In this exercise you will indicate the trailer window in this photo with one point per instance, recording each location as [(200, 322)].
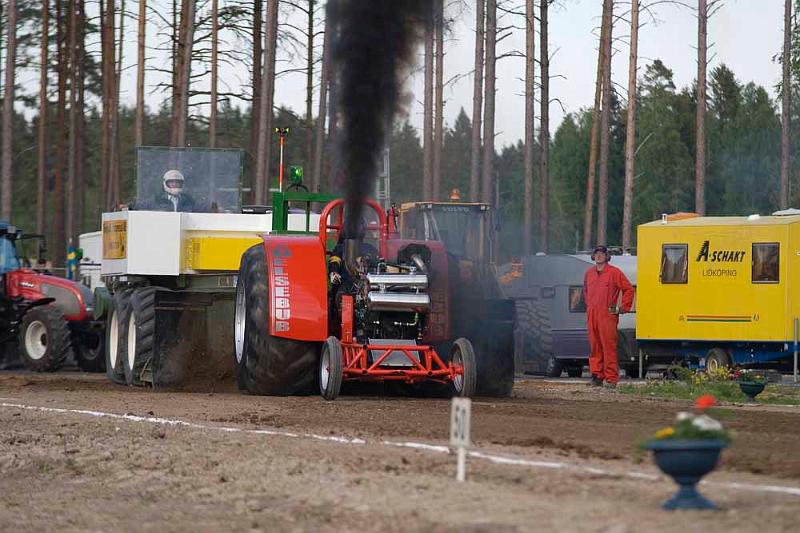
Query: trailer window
[(674, 263), (766, 262), (576, 302)]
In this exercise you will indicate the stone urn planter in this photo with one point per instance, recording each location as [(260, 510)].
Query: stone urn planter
[(686, 461), (751, 389)]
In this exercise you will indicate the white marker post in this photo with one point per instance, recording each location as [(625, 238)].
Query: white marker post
[(460, 413)]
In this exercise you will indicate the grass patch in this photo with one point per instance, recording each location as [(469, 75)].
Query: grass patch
[(722, 390)]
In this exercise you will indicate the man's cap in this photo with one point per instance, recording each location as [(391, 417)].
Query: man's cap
[(600, 248)]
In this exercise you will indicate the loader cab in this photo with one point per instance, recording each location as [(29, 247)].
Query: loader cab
[(466, 229)]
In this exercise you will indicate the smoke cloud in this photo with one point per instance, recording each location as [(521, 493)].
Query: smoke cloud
[(372, 47)]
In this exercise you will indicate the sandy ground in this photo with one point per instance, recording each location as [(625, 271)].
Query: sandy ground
[(556, 456)]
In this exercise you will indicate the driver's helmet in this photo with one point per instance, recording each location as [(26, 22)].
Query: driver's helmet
[(172, 181)]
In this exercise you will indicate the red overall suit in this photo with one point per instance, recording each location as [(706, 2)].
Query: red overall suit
[(600, 291)]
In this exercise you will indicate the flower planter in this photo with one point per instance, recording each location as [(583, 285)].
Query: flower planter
[(751, 389), (686, 462)]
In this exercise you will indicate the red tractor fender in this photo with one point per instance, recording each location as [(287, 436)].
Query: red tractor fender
[(298, 287), (65, 294)]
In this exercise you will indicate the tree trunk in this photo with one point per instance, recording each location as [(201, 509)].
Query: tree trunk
[(115, 145), (630, 131), (598, 89), (310, 82), (181, 104), (8, 112), (212, 120), (605, 116), (786, 103), (319, 141), (258, 23), (104, 97), (477, 102), (139, 127), (80, 149), (544, 132), (41, 158), (264, 152), (427, 120), (700, 151), (69, 226), (438, 121), (58, 182), (177, 25), (109, 107), (530, 123), (487, 178)]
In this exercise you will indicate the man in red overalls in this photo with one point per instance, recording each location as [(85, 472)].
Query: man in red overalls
[(602, 284)]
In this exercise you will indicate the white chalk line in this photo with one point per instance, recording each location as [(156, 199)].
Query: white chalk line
[(432, 448)]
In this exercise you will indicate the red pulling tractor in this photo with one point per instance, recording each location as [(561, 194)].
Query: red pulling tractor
[(390, 322), (44, 318)]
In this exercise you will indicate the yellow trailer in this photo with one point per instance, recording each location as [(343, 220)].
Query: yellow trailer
[(719, 290)]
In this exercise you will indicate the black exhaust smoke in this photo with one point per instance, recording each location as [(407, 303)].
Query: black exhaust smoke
[(373, 42)]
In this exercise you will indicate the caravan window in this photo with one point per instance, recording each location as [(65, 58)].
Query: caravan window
[(576, 302), (766, 262), (674, 263)]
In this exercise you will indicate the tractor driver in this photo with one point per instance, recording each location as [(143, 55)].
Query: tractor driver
[(337, 270), (171, 197)]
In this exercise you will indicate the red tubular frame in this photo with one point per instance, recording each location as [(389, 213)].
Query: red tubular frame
[(429, 367)]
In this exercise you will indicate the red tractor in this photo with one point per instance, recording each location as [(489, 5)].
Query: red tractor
[(44, 318), (389, 324)]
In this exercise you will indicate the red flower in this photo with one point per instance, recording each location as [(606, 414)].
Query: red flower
[(705, 401)]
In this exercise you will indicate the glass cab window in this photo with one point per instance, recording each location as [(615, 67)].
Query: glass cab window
[(766, 262), (674, 263), (8, 256), (577, 304)]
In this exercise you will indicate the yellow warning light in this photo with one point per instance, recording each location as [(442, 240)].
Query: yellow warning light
[(455, 195)]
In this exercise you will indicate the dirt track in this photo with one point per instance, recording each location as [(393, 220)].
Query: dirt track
[(67, 469)]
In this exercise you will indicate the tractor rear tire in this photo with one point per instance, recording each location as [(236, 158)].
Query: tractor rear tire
[(331, 371), (140, 345), (267, 365), (44, 339), (90, 351), (117, 335), (462, 353), (717, 358)]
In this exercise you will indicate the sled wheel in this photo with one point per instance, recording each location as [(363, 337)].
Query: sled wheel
[(717, 358), (554, 367), (117, 335), (44, 339), (574, 371), (141, 333), (266, 364), (330, 369), (90, 351), (462, 354)]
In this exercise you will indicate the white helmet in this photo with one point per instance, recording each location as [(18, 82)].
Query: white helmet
[(172, 181)]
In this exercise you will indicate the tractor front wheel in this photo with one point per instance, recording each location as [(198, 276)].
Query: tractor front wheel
[(44, 339), (462, 354), (265, 364), (330, 369)]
